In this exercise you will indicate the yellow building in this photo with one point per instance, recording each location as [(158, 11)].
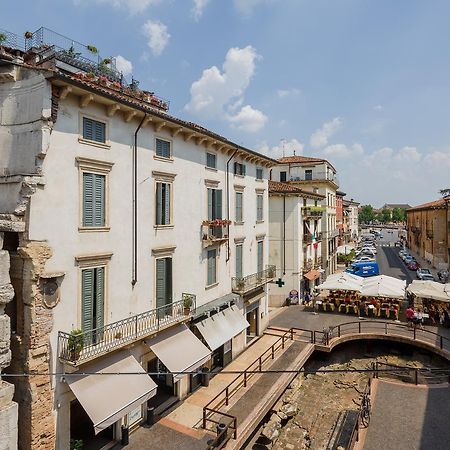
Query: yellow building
[(428, 231)]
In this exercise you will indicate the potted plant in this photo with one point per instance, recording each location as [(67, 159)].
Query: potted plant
[(92, 48), (76, 444), (2, 38), (75, 344), (187, 304), (28, 34)]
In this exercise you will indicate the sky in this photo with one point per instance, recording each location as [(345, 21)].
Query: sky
[(362, 83)]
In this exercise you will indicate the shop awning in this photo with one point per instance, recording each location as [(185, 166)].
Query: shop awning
[(221, 327), (312, 275), (429, 289), (179, 350), (107, 398)]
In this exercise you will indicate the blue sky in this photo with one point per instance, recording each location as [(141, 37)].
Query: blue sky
[(362, 83)]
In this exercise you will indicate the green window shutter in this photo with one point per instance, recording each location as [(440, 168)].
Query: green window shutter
[(239, 261), (159, 203), (88, 199), (99, 297), (211, 160), (88, 129), (166, 203), (211, 279), (93, 130), (168, 280), (210, 204), (218, 205), (99, 131), (259, 207), (163, 148), (160, 282), (87, 299), (99, 200), (238, 206), (260, 256), (243, 169)]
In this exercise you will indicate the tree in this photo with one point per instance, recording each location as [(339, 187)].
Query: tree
[(444, 192), (366, 215), (386, 214), (398, 215)]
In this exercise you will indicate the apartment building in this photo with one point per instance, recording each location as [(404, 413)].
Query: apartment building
[(351, 219), (138, 243), (319, 176), (428, 231), (295, 243), (340, 223)]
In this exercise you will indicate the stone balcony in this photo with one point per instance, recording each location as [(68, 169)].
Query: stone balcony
[(215, 231), (253, 281), (78, 348)]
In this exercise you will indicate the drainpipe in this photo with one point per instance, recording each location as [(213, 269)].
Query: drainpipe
[(135, 207), (228, 203)]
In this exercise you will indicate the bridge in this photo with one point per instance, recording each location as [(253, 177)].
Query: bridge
[(243, 403)]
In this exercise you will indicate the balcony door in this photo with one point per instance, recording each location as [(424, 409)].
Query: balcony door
[(164, 286), (260, 257), (215, 210)]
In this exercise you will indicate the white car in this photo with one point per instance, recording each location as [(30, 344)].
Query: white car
[(363, 259)]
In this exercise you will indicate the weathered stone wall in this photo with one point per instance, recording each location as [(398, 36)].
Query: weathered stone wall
[(8, 408)]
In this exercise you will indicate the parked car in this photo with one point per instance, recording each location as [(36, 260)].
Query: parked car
[(413, 265), (424, 274), (363, 259), (408, 259), (405, 255), (364, 269), (402, 252)]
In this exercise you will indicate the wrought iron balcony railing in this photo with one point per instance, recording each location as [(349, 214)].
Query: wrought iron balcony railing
[(253, 281), (77, 348), (313, 212), (215, 231), (308, 238), (315, 176)]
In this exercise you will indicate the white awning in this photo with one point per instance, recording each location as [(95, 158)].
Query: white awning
[(342, 281), (429, 289), (221, 327), (107, 398), (179, 350), (383, 286)]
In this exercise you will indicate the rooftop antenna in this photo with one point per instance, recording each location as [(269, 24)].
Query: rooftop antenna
[(283, 141)]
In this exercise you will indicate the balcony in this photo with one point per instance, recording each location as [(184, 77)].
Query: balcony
[(76, 349), (313, 212), (315, 176), (253, 281), (215, 231), (307, 265), (307, 238), (318, 262)]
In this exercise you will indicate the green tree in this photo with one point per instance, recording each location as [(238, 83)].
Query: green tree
[(366, 215), (444, 192), (386, 214), (398, 215)]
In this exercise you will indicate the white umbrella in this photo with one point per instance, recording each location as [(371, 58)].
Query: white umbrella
[(383, 286), (343, 282), (345, 249), (429, 289)]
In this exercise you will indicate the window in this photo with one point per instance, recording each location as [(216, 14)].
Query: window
[(214, 204), (93, 200), (260, 256), (259, 173), (315, 202), (211, 160), (239, 216), (283, 176), (308, 174), (93, 130), (163, 203), (92, 298), (259, 207), (164, 286), (212, 267), (304, 202), (239, 169), (239, 271), (163, 148)]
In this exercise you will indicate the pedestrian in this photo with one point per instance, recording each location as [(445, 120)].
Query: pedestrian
[(419, 318), (410, 316)]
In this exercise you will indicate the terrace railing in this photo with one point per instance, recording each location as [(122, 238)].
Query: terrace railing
[(253, 281), (79, 348)]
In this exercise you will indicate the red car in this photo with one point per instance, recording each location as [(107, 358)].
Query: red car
[(413, 265)]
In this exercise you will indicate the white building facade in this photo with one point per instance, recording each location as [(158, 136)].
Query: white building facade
[(143, 247), (351, 218), (318, 176), (295, 217)]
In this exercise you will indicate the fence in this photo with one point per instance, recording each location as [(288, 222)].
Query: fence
[(415, 375)]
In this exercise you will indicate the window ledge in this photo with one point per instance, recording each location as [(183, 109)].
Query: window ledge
[(94, 143), (210, 286), (260, 221), (212, 169), (162, 158), (239, 176), (93, 229), (260, 180), (163, 227), (239, 222)]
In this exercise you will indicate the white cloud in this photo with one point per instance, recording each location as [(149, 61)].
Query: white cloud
[(378, 108), (343, 151), (158, 36), (219, 93), (284, 148), (408, 154), (123, 65), (198, 8), (246, 7), (248, 119), (134, 6), (320, 137), (288, 92)]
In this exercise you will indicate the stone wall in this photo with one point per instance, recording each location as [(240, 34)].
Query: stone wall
[(8, 408)]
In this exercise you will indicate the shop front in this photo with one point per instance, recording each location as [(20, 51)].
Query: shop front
[(110, 397), (252, 317)]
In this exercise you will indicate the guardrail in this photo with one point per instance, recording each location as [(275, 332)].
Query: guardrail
[(250, 282), (415, 375), (81, 347)]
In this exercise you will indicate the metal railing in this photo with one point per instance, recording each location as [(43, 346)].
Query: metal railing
[(224, 396), (313, 211), (415, 375), (253, 281), (214, 231), (319, 176), (78, 348), (12, 40), (224, 435)]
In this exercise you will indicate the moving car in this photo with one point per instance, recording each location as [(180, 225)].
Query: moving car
[(413, 265), (364, 269), (424, 274), (363, 259)]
